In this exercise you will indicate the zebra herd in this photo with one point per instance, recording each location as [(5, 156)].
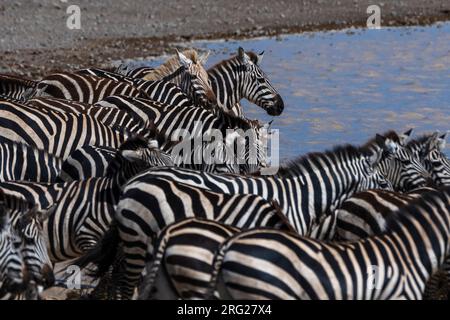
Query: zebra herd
[(91, 175)]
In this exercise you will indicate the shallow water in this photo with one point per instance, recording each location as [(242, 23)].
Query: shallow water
[(345, 86)]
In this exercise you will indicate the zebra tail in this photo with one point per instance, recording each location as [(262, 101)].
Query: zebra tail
[(154, 265), (103, 255), (217, 265)]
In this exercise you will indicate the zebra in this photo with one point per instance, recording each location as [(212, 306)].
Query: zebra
[(196, 123), (84, 209), (28, 221), (162, 91), (240, 210), (400, 165), (137, 73), (241, 77), (186, 249), (26, 224), (86, 162), (15, 88), (430, 149), (19, 161), (185, 82), (83, 88), (308, 189), (12, 277), (271, 264), (57, 133), (111, 116), (367, 213)]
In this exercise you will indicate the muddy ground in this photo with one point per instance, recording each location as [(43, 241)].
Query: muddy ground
[(34, 38)]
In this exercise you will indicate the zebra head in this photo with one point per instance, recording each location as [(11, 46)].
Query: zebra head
[(372, 177), (398, 164), (12, 275), (29, 227), (430, 149), (254, 84), (138, 153), (195, 81)]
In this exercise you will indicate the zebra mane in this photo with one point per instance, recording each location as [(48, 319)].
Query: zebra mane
[(339, 152), (391, 134), (173, 75), (171, 65), (420, 141), (253, 57)]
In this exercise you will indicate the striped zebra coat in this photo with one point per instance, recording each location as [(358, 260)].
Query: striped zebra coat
[(83, 88), (186, 250), (26, 226), (241, 77), (57, 133), (367, 213), (270, 264), (402, 167), (430, 149), (196, 123), (84, 209), (307, 190), (110, 116), (181, 87), (11, 262), (19, 161), (240, 210), (15, 88), (137, 73)]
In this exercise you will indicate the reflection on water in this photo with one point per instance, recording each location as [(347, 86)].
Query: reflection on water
[(343, 87)]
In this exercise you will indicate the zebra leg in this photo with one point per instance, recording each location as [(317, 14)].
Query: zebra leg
[(153, 266)]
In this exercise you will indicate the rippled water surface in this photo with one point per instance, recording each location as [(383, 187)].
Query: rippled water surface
[(345, 86)]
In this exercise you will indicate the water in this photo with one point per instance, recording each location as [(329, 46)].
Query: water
[(345, 86)]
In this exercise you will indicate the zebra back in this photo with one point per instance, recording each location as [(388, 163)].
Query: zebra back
[(84, 88), (16, 88)]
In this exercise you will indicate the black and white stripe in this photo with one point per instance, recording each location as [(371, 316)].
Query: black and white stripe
[(308, 189), (84, 88), (241, 77), (16, 88), (430, 149), (185, 250), (57, 133), (270, 264), (19, 161)]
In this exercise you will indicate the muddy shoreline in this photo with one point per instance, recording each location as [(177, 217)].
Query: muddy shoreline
[(113, 30)]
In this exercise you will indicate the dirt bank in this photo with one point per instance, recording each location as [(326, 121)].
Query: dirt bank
[(35, 39)]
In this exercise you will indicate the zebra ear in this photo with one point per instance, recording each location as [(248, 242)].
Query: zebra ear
[(404, 137), (386, 144), (202, 59), (259, 58), (184, 61), (441, 141), (243, 56), (132, 155)]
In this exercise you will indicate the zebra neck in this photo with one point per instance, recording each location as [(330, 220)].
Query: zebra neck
[(310, 194), (226, 84)]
